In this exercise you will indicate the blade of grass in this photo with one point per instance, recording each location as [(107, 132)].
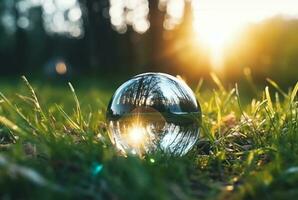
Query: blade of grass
[(269, 101), (78, 107), (199, 86), (17, 110), (68, 118), (12, 126), (275, 85), (227, 100), (219, 115), (294, 93), (34, 96), (248, 76), (254, 129), (217, 82)]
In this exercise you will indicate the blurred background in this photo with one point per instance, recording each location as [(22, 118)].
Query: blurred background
[(70, 39)]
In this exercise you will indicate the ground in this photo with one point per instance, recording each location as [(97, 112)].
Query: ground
[(54, 144)]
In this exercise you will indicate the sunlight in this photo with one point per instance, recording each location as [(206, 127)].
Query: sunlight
[(136, 135), (217, 22)]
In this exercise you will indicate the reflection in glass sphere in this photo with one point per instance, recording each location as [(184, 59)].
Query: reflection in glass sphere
[(154, 112)]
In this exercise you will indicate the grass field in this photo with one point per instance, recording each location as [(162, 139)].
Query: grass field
[(54, 144)]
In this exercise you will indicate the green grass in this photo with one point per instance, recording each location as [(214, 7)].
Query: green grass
[(54, 144)]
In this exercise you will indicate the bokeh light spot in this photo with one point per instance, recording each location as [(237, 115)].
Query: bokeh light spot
[(96, 168), (61, 68)]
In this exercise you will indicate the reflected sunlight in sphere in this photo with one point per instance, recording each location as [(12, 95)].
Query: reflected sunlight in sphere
[(136, 134), (154, 112)]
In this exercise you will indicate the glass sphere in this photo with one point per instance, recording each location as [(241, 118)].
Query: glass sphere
[(154, 112)]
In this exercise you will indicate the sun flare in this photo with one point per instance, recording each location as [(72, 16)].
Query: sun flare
[(136, 135), (217, 22)]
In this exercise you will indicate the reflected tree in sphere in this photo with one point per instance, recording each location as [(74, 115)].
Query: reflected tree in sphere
[(154, 112)]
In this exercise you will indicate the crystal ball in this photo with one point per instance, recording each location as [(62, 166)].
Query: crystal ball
[(154, 112)]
